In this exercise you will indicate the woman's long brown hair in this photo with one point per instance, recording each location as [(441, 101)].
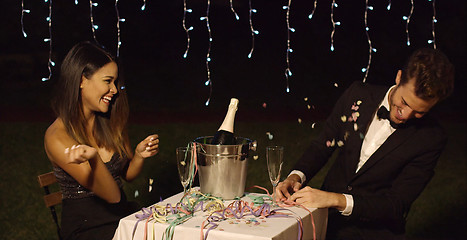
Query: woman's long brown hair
[(110, 129)]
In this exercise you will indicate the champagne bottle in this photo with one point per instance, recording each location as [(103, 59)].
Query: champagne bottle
[(225, 134)]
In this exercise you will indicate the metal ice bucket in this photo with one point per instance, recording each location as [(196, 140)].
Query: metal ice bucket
[(223, 168)]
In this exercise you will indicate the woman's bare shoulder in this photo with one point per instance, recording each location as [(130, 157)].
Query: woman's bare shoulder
[(56, 139), (56, 130)]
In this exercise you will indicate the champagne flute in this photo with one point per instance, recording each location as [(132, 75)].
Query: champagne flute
[(275, 158), (184, 164)]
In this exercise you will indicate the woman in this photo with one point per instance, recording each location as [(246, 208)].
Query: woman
[(88, 144)]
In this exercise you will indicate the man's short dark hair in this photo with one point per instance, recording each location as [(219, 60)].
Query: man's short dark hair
[(432, 72)]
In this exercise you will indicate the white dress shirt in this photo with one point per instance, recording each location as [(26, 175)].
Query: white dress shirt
[(378, 132)]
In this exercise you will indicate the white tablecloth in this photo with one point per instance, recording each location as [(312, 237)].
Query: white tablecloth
[(248, 227)]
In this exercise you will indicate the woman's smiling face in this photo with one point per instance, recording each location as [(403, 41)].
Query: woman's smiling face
[(98, 90)]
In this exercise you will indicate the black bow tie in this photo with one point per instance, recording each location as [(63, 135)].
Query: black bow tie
[(383, 113)]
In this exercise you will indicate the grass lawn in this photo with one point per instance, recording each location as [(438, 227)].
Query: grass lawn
[(439, 213)]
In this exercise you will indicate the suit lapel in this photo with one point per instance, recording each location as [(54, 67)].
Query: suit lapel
[(367, 110), (396, 139)]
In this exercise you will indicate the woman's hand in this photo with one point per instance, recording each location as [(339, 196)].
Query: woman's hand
[(148, 147), (80, 153)]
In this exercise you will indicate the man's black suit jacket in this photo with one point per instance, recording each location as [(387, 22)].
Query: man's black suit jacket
[(392, 178)]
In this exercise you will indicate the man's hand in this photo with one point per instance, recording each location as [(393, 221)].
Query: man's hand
[(290, 185), (311, 197)]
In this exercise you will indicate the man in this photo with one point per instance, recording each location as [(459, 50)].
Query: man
[(383, 164)]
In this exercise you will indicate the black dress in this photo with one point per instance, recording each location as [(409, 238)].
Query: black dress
[(87, 216)]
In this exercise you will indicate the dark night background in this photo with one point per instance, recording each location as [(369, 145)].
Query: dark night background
[(160, 81), (163, 87)]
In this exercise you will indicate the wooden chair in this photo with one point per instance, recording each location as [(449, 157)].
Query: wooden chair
[(51, 199)]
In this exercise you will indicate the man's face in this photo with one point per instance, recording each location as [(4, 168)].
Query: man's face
[(405, 104)]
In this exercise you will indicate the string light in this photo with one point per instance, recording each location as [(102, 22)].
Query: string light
[(233, 10), (50, 63), (370, 47), (187, 30), (288, 73), (433, 21), (208, 54), (253, 31), (23, 11), (119, 42), (144, 5), (334, 23), (93, 26), (407, 19), (313, 11)]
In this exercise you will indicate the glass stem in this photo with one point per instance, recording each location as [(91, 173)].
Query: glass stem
[(274, 195)]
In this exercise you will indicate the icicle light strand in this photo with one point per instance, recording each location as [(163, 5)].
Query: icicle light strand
[(93, 26), (314, 9), (407, 19), (334, 23), (370, 47), (433, 21), (233, 10), (50, 63), (119, 42), (253, 31), (187, 30), (23, 11), (288, 73), (208, 54)]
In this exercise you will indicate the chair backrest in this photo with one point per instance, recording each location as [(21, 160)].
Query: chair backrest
[(51, 199)]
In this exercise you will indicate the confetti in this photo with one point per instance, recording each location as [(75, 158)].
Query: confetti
[(340, 143), (346, 135), (308, 106), (355, 115), (150, 184), (330, 143), (264, 105), (344, 118), (313, 125), (306, 99), (335, 85), (355, 127), (270, 136), (362, 136), (359, 102), (136, 193), (299, 120), (182, 163), (255, 157)]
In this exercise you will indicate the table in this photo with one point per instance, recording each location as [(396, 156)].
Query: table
[(248, 227)]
